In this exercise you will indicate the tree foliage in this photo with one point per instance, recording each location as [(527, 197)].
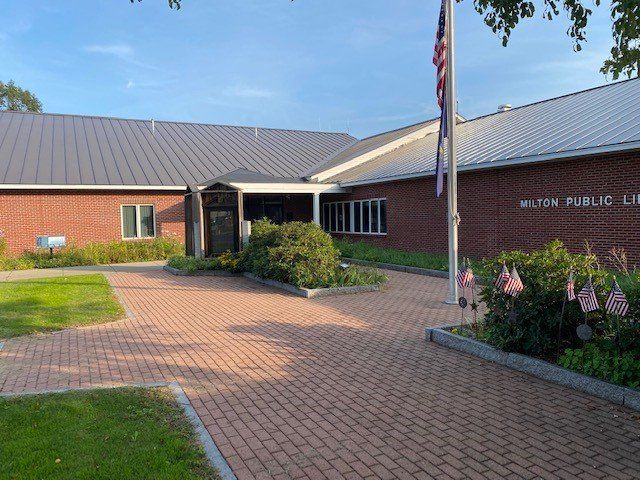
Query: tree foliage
[(15, 98), (502, 16)]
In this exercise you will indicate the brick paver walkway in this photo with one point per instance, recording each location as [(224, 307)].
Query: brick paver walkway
[(342, 387)]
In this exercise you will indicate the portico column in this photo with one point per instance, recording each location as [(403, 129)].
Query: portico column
[(316, 208)]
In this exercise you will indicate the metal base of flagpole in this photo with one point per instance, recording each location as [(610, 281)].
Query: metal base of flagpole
[(450, 301)]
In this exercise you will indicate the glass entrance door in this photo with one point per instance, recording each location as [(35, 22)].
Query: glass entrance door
[(222, 230)]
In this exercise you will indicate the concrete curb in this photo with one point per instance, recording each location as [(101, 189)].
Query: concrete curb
[(314, 292), (426, 272), (199, 273), (210, 448), (538, 368)]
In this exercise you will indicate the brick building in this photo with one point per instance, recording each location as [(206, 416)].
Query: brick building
[(565, 168)]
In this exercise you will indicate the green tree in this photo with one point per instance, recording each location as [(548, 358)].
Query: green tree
[(13, 97), (502, 16)]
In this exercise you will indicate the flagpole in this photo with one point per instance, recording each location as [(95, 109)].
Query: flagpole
[(452, 170)]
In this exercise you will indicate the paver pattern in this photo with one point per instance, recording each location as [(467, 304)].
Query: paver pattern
[(341, 387)]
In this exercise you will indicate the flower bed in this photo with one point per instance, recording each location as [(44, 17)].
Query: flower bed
[(159, 248), (541, 324), (297, 255)]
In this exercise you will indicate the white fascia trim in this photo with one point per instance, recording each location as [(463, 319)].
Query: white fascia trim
[(386, 148), (12, 186), (506, 163), (283, 188)]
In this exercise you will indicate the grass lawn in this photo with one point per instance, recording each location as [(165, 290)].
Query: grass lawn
[(127, 433), (30, 306)]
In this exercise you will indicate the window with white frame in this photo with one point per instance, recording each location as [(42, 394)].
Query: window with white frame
[(367, 217), (138, 221)]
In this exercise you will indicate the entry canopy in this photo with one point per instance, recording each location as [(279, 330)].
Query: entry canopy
[(249, 181)]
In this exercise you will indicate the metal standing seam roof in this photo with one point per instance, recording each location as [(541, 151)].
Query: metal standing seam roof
[(605, 117), (366, 145), (54, 149)]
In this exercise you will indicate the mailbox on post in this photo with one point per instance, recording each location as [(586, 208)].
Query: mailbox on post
[(51, 242)]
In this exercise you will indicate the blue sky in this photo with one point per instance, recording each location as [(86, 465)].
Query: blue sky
[(361, 66)]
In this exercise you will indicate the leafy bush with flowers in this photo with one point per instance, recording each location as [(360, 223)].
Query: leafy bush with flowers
[(531, 323)]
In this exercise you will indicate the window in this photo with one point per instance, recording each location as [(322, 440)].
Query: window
[(325, 217), (361, 216), (365, 216), (357, 215), (138, 221)]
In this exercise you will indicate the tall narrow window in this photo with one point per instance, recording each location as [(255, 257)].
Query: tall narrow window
[(138, 221), (325, 217), (340, 217), (365, 217), (374, 216), (147, 224), (334, 223), (357, 212), (383, 216), (347, 216), (129, 221)]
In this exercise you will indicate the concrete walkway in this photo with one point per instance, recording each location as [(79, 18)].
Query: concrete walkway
[(86, 270), (341, 387)]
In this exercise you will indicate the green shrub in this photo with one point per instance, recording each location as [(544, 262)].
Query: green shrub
[(3, 245), (622, 368), (191, 264), (534, 331), (97, 254), (298, 253), (357, 276)]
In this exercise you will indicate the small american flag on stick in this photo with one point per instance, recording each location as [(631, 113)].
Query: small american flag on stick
[(617, 303), (440, 61), (571, 288), (503, 277), (587, 298), (465, 277), (513, 285)]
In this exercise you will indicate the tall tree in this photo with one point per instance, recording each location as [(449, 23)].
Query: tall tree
[(502, 16), (13, 97)]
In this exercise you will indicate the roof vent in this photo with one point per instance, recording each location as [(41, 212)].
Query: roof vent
[(504, 107)]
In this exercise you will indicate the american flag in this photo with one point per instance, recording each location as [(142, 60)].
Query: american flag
[(503, 277), (465, 278), (514, 285), (571, 288), (617, 302), (587, 298), (440, 61)]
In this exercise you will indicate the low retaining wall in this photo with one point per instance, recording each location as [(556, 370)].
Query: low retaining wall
[(314, 292), (538, 368), (427, 272), (301, 292)]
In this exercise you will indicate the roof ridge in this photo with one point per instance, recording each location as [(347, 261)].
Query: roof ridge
[(519, 107), (182, 122)]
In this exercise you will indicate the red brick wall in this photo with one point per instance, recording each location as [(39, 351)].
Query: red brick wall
[(492, 220), (81, 216)]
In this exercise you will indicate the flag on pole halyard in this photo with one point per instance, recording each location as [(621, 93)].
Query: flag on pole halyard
[(587, 298), (503, 277), (465, 277), (571, 288), (513, 285), (440, 61), (617, 303)]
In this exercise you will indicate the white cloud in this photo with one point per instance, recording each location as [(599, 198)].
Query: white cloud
[(244, 91), (120, 50)]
